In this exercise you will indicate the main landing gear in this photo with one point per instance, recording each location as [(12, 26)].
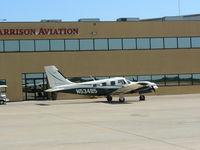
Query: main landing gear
[(142, 98), (109, 98), (121, 99)]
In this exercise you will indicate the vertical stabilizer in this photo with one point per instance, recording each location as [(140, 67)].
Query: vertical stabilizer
[(55, 78)]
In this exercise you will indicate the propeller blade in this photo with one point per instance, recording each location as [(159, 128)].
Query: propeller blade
[(153, 88)]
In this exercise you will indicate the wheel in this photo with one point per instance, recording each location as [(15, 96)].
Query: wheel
[(1, 102), (142, 98), (109, 98), (121, 99)]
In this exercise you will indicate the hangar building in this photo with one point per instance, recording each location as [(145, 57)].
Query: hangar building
[(162, 50)]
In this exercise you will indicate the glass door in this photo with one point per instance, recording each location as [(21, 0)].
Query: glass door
[(34, 87)]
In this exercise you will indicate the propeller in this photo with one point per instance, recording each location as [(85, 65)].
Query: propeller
[(153, 88)]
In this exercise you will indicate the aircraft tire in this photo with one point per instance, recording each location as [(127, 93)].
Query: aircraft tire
[(1, 102), (109, 98), (121, 99), (142, 98)]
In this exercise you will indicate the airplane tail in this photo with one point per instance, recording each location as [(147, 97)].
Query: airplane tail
[(55, 78)]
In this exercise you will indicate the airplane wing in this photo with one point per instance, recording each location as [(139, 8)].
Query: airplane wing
[(128, 89), (140, 87)]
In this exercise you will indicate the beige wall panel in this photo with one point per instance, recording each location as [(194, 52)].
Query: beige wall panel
[(104, 63)]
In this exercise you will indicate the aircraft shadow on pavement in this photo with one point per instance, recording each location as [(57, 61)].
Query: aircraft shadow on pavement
[(116, 102), (91, 102), (43, 104)]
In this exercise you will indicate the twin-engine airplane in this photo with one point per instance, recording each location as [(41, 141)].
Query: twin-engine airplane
[(104, 87)]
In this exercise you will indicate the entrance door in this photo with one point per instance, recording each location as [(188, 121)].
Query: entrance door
[(34, 88)]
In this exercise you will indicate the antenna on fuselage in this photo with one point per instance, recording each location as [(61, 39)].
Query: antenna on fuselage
[(92, 78)]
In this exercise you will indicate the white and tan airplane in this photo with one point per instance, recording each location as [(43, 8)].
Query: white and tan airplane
[(104, 87)]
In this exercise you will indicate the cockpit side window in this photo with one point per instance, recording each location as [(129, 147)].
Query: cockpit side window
[(122, 82), (129, 82)]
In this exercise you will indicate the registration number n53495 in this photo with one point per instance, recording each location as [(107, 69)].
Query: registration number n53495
[(86, 91)]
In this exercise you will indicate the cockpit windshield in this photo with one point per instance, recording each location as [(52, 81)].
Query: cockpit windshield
[(128, 81), (122, 82)]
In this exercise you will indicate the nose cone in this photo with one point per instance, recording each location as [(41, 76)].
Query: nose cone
[(155, 87)]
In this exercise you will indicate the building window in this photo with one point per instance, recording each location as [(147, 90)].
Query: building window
[(129, 44), (170, 42), (135, 78), (196, 79), (71, 45), (143, 43), (2, 82), (185, 79), (101, 44), (86, 44), (100, 78), (115, 44), (12, 46), (129, 78), (27, 45), (57, 45), (86, 79), (34, 75), (184, 43), (172, 80), (158, 79), (195, 42), (144, 78), (42, 45), (1, 46), (157, 43)]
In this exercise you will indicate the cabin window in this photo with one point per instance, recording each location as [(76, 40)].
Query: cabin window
[(104, 84), (112, 83)]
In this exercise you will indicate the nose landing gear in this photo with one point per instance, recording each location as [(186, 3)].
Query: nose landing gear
[(121, 99)]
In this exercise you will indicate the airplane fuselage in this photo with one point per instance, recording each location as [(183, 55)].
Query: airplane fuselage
[(104, 87)]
